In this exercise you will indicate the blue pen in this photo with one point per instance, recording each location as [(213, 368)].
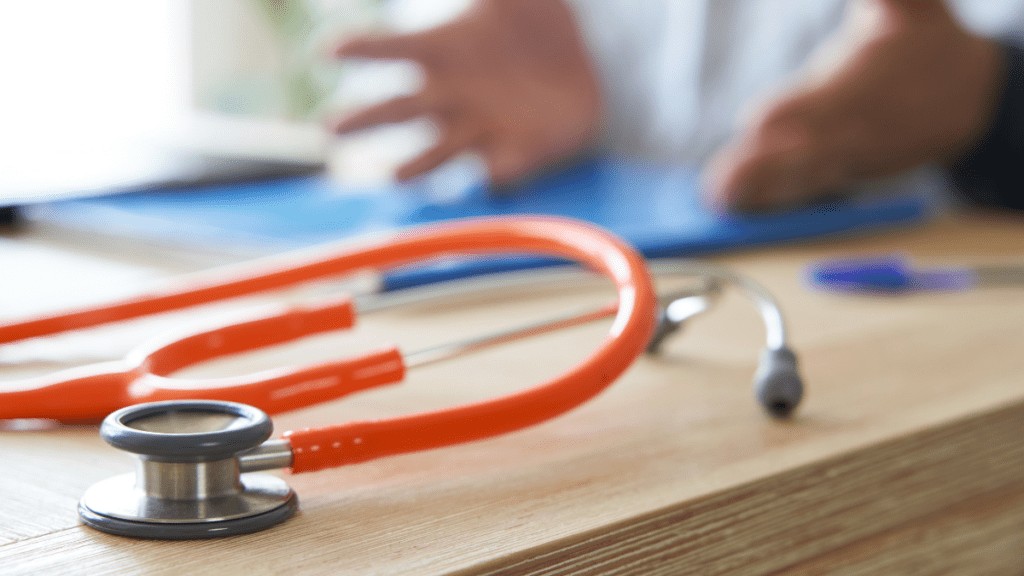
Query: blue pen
[(894, 274)]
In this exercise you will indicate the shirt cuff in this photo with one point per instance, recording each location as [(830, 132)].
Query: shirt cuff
[(992, 172)]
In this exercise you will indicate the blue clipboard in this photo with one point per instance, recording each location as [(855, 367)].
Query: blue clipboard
[(657, 209)]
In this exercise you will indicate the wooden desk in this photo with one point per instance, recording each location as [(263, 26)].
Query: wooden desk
[(908, 455)]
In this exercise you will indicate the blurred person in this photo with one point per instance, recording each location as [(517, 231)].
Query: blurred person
[(527, 84)]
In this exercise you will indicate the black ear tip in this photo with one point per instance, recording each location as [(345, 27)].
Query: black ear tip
[(780, 393), (778, 385), (780, 408)]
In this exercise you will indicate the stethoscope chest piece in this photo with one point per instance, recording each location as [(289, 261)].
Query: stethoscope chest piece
[(188, 482)]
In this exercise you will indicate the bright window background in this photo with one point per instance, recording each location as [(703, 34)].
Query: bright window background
[(70, 68), (79, 79), (90, 89)]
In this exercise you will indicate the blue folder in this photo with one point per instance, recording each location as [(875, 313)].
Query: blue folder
[(657, 209)]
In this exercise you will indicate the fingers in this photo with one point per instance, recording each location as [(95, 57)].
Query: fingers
[(452, 142), (761, 173), (419, 46), (391, 111), (507, 164), (785, 156)]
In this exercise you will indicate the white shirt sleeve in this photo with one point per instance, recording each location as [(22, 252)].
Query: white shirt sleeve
[(676, 74)]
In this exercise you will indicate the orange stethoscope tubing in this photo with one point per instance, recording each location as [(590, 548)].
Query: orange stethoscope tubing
[(81, 394)]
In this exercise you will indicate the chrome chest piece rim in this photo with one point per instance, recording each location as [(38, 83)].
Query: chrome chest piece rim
[(188, 482)]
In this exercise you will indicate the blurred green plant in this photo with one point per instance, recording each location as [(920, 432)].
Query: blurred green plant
[(304, 29)]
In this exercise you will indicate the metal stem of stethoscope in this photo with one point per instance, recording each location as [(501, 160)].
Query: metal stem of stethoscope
[(683, 305), (777, 384), (713, 277)]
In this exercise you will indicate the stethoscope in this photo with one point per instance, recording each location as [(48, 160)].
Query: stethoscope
[(197, 457)]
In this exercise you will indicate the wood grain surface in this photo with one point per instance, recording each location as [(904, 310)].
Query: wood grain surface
[(906, 458)]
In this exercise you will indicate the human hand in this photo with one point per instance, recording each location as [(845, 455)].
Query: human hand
[(905, 85), (508, 79)]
